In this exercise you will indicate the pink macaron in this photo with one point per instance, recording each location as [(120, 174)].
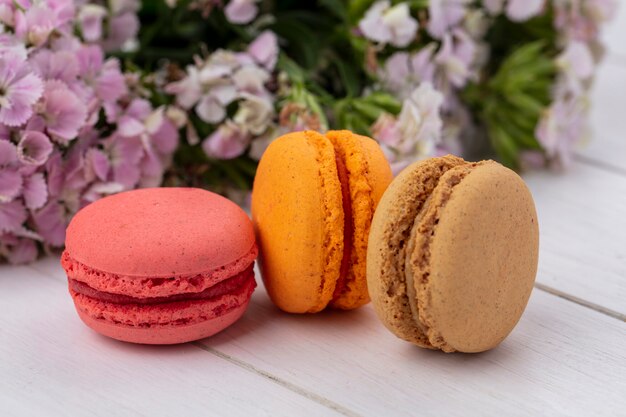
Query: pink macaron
[(160, 265)]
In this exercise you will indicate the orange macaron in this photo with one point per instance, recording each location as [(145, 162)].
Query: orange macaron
[(313, 201)]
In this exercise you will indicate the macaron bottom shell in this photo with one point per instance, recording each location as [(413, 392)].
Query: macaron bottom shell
[(164, 323), (164, 334)]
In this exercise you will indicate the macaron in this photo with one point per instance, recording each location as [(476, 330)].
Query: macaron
[(160, 265), (452, 254), (313, 200)]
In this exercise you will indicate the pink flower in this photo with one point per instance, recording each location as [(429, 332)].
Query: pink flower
[(241, 11), (562, 126), (208, 87), (104, 77), (522, 10), (59, 65), (8, 152), (123, 30), (35, 24), (125, 153), (19, 251), (420, 121), (97, 164), (251, 79), (34, 148), (385, 130), (454, 58), (35, 191), (577, 64), (227, 142), (10, 184), (444, 15), (90, 19), (54, 174), (385, 24), (12, 215), (50, 223), (62, 112), (264, 49), (402, 72), (19, 90)]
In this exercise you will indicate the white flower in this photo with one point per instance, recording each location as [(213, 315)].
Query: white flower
[(444, 15), (577, 64), (522, 10), (419, 122), (254, 114), (385, 24)]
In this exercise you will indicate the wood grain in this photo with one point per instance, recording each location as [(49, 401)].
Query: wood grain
[(561, 359), (582, 251), (52, 365)]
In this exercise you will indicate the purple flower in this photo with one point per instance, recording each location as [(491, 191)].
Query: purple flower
[(241, 11), (19, 251), (90, 20), (125, 153), (12, 215), (385, 130), (454, 58), (264, 49), (97, 164), (54, 174), (19, 90), (104, 77), (50, 223), (123, 30), (420, 121), (209, 87), (227, 142), (34, 148), (62, 112), (8, 152), (522, 10), (385, 24), (576, 64), (444, 15), (562, 126), (10, 184), (35, 24), (55, 65), (402, 72), (35, 191)]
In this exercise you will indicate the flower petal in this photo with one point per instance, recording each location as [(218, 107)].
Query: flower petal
[(12, 215), (35, 191), (34, 148), (10, 184)]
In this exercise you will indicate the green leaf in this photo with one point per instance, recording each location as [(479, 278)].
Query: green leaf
[(349, 77), (336, 7)]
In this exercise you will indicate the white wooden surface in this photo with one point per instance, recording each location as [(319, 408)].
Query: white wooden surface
[(566, 357)]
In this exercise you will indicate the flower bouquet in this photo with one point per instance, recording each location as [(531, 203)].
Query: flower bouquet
[(103, 96)]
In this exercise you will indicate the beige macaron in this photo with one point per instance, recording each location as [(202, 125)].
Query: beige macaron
[(452, 254)]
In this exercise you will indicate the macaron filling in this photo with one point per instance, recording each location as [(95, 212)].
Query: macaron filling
[(226, 286), (348, 228)]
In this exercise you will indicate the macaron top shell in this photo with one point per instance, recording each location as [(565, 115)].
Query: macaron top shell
[(160, 232), (482, 259), (297, 210)]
